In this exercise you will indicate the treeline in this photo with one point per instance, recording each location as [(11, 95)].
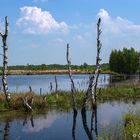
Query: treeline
[(84, 66), (124, 61)]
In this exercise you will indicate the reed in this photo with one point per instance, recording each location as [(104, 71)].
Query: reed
[(63, 99)]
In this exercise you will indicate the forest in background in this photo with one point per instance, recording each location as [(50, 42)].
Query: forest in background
[(84, 66)]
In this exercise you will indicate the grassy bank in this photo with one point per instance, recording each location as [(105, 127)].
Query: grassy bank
[(43, 72), (62, 99)]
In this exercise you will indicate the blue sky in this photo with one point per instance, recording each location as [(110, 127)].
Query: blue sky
[(40, 29)]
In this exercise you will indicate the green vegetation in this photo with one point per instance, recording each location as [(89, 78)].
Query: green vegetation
[(54, 69), (84, 66), (128, 129), (115, 93), (125, 61), (132, 126), (62, 99)]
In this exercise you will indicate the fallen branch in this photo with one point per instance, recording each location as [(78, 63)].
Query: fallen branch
[(28, 102)]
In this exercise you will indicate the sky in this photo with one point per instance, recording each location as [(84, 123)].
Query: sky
[(39, 30)]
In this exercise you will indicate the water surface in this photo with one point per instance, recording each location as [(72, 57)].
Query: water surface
[(57, 125), (21, 83)]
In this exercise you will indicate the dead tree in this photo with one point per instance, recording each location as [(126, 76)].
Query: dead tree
[(56, 84), (88, 92), (98, 59), (73, 89), (51, 87), (5, 61), (93, 81), (30, 89)]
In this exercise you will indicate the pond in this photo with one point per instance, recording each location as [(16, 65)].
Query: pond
[(21, 83), (58, 124)]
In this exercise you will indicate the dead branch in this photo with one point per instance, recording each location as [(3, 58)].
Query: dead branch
[(28, 103)]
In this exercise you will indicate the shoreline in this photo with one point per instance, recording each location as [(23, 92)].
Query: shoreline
[(43, 72)]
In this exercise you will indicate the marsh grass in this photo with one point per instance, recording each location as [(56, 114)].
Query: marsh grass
[(132, 126), (127, 129), (62, 99), (119, 93)]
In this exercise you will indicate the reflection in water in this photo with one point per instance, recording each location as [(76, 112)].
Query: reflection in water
[(6, 131), (61, 125), (40, 123), (89, 130), (96, 123), (74, 123), (26, 120), (85, 126)]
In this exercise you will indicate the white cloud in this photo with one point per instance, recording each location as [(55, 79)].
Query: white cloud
[(118, 24), (56, 42), (35, 21), (41, 123), (80, 39), (117, 32), (40, 0)]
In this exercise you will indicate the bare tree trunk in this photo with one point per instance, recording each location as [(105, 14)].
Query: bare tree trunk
[(5, 61), (98, 59), (92, 88), (56, 84), (51, 87), (88, 92), (73, 89), (30, 89)]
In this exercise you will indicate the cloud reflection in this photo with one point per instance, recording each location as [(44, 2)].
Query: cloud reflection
[(41, 122)]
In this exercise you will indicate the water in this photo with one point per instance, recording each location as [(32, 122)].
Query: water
[(21, 83), (57, 125)]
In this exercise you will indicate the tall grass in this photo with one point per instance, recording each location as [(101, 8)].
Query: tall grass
[(62, 99)]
